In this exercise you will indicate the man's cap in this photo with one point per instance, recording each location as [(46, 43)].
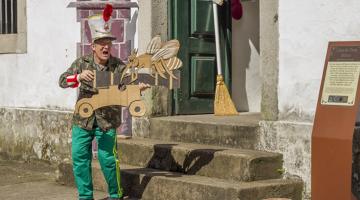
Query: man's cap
[(100, 25)]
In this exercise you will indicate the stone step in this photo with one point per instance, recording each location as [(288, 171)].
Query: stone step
[(151, 184), (240, 131), (204, 160)]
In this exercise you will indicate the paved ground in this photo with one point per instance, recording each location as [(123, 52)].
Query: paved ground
[(33, 181)]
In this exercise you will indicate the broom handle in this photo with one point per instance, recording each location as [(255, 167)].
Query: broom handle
[(217, 41)]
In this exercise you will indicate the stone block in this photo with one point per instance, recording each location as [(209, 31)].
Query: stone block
[(240, 131), (114, 14), (118, 30), (157, 101), (38, 134), (115, 49), (141, 127), (123, 13), (96, 12), (204, 160), (125, 49), (150, 184), (85, 49), (82, 14), (85, 32)]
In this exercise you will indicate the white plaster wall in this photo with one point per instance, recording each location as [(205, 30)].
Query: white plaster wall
[(144, 24), (246, 80), (31, 79), (305, 29), (132, 27), (293, 141)]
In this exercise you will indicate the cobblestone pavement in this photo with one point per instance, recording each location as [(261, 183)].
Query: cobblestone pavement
[(33, 181)]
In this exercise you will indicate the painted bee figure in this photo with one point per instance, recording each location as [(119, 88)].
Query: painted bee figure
[(159, 57)]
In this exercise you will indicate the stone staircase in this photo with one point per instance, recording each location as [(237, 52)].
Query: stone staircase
[(198, 158)]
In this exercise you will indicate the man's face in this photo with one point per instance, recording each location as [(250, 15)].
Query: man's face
[(102, 48)]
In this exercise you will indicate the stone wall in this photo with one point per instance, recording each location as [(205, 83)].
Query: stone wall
[(35, 134), (293, 140), (45, 134), (28, 133)]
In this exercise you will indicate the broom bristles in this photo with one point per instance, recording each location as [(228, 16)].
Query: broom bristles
[(223, 104)]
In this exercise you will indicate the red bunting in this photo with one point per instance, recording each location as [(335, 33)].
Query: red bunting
[(107, 12), (236, 9)]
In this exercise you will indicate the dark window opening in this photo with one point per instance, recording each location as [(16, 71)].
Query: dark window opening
[(8, 16)]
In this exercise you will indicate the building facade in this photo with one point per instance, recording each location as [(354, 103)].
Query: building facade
[(275, 62)]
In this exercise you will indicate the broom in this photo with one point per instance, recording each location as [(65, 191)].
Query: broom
[(223, 105)]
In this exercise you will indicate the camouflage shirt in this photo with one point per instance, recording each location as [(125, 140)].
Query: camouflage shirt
[(106, 117)]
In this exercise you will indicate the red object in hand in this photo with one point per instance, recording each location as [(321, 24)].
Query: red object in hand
[(72, 81), (236, 9), (107, 12)]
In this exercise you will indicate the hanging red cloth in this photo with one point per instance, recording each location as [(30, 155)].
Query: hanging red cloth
[(236, 9)]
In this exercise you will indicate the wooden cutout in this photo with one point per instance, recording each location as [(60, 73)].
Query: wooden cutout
[(128, 95), (159, 57), (150, 80), (103, 79)]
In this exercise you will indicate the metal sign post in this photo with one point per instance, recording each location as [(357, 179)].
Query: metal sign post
[(334, 123)]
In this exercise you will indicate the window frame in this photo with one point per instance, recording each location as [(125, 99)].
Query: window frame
[(16, 43)]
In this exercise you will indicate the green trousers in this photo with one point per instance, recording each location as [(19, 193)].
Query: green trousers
[(107, 155)]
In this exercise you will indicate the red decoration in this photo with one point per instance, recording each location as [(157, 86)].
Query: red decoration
[(107, 12), (72, 80), (236, 9)]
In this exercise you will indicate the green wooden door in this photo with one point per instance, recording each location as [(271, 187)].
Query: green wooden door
[(192, 23)]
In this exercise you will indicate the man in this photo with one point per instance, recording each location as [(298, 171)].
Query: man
[(103, 122)]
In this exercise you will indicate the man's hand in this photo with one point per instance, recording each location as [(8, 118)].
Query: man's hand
[(86, 75), (143, 86)]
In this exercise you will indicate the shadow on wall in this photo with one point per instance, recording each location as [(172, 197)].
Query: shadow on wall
[(131, 29), (245, 59), (163, 159)]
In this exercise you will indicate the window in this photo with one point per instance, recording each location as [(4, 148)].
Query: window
[(12, 26), (8, 16)]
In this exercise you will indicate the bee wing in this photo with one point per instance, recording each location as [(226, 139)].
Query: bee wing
[(168, 50), (154, 45), (173, 63)]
